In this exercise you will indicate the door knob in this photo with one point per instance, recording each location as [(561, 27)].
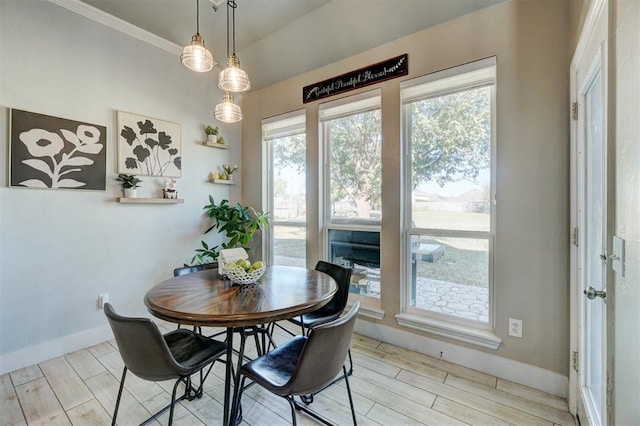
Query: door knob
[(592, 293)]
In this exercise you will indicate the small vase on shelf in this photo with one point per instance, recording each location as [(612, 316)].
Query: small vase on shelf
[(130, 192)]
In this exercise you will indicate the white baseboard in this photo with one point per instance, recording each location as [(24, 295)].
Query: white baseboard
[(515, 371), (53, 348)]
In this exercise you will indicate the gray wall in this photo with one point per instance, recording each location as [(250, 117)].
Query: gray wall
[(59, 249), (530, 41)]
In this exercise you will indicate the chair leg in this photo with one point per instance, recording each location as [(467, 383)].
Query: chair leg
[(200, 391), (236, 408), (318, 416), (350, 372), (256, 339), (346, 381), (115, 411), (292, 404), (173, 401)]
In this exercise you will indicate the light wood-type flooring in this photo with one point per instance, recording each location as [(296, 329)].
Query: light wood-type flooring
[(391, 386)]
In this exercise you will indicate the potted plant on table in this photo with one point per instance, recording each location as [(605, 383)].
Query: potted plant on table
[(129, 184)]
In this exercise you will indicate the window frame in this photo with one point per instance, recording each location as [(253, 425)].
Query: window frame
[(482, 73), (368, 101), (279, 126)]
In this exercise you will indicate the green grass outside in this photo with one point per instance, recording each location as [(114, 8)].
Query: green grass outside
[(460, 266)]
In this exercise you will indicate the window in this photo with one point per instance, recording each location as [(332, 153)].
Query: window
[(449, 138), (352, 139), (284, 142)]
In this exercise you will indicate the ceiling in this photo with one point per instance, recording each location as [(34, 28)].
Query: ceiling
[(306, 33)]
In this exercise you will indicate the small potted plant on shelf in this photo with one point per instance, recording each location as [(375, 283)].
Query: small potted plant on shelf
[(212, 134), (129, 184), (228, 171)]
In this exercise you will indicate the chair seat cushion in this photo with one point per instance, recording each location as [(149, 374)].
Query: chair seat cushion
[(274, 369), (192, 350), (314, 319)]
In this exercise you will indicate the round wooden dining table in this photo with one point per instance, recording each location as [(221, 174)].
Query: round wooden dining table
[(205, 298)]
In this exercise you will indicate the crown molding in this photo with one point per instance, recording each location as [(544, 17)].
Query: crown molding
[(118, 24)]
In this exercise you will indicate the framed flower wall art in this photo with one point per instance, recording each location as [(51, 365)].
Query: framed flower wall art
[(56, 153), (148, 146)]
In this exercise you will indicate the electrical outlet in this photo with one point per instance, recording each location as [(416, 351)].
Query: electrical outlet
[(102, 299), (515, 328)]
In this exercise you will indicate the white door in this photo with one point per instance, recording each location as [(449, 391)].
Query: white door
[(590, 183)]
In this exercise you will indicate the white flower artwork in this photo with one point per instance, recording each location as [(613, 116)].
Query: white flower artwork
[(56, 153)]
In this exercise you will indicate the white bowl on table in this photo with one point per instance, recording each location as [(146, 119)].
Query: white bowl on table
[(238, 275)]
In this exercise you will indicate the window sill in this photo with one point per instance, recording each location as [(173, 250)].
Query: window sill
[(370, 313), (464, 333), (369, 307)]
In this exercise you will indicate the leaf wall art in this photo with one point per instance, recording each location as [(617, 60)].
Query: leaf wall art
[(56, 153), (148, 146)]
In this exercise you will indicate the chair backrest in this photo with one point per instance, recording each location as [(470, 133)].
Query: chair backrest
[(323, 355), (342, 276), (189, 269), (142, 347)]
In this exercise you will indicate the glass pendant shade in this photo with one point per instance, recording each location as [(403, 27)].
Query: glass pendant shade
[(227, 111), (233, 78), (196, 57)]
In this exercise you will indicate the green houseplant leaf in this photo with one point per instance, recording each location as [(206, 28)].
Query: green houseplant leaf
[(237, 223)]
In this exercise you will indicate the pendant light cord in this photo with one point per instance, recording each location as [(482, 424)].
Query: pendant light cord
[(228, 5), (197, 16), (234, 6), (231, 4)]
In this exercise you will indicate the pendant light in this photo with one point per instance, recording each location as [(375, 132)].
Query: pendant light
[(227, 111), (233, 78), (195, 56)]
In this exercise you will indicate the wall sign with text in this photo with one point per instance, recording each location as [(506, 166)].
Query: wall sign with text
[(385, 70)]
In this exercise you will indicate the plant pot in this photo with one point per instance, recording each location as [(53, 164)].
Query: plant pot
[(212, 138), (171, 194), (130, 192)]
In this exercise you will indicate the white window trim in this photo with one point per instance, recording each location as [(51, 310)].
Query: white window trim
[(465, 77), (453, 330), (360, 102), (283, 125)]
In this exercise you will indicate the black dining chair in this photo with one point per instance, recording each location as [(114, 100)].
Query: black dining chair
[(152, 356), (184, 270), (336, 305), (303, 365), (330, 311)]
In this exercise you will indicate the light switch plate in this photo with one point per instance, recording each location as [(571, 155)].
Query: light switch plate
[(617, 258)]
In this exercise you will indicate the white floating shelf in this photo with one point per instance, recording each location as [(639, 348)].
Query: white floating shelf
[(223, 181), (140, 200), (216, 145)]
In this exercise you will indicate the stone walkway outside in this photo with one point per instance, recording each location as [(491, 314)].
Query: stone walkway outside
[(454, 299), (459, 300)]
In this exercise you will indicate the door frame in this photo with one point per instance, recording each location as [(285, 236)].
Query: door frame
[(598, 10)]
